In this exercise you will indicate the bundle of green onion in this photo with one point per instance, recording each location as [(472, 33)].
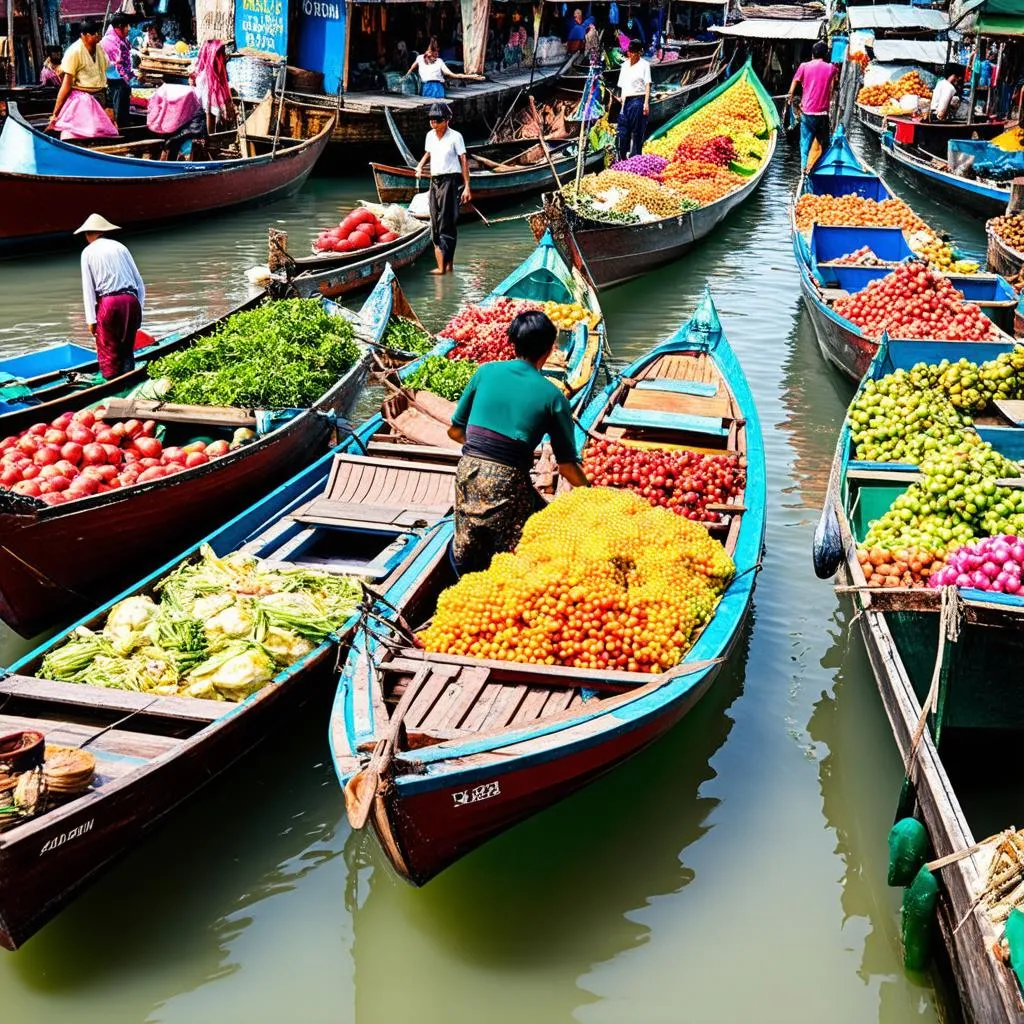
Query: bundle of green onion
[(222, 629)]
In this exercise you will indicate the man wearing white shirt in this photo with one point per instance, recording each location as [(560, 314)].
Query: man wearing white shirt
[(446, 151), (945, 95), (113, 293), (635, 93)]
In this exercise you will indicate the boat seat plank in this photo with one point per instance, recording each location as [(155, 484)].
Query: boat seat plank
[(532, 706), (390, 447), (619, 434), (704, 389), (471, 682), (505, 707), (831, 294), (117, 742), (324, 512), (482, 708), (430, 691), (1012, 409), (686, 405), (652, 420), (164, 412), (101, 698), (558, 701)]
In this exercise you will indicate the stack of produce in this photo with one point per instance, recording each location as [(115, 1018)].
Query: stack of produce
[(222, 629), (481, 332), (704, 183), (862, 257), (78, 455), (445, 377), (910, 568), (566, 315), (281, 355), (1010, 230), (684, 482), (993, 563), (938, 254), (910, 84), (600, 580), (855, 211), (923, 416), (359, 230), (860, 57), (914, 302), (644, 164), (632, 196), (720, 150), (404, 335), (736, 111)]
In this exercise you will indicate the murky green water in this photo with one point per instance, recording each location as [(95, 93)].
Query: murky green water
[(734, 872)]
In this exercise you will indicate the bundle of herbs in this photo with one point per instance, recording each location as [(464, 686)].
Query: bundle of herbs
[(445, 377), (221, 629), (281, 355), (406, 336)]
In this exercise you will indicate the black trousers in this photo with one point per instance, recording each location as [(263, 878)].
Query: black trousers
[(120, 99), (631, 128), (445, 190)]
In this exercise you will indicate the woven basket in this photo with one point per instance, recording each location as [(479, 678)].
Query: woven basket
[(252, 77), (68, 771)]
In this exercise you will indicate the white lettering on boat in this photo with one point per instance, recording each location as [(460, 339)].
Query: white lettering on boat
[(476, 794), (66, 837), (313, 9)]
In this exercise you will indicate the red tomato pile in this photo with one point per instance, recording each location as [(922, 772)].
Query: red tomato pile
[(480, 333), (78, 455), (685, 482), (359, 230), (913, 302), (719, 150)]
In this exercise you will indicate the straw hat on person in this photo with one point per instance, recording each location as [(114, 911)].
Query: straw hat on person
[(96, 224)]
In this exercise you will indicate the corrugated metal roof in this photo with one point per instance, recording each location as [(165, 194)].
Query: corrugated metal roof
[(920, 51), (773, 28), (899, 16)]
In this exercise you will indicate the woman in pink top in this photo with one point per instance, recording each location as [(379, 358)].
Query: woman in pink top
[(817, 78)]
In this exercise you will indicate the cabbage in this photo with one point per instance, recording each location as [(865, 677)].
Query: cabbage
[(240, 619), (127, 621), (204, 608), (285, 646), (152, 668), (237, 670)]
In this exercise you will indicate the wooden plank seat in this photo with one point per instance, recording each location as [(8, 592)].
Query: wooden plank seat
[(363, 491), (166, 412), (715, 407), (115, 742), (703, 389), (1012, 409), (646, 419)]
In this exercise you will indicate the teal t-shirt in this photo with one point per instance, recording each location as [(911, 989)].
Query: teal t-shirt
[(516, 400)]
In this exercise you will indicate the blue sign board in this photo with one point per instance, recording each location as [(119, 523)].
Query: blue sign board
[(262, 25)]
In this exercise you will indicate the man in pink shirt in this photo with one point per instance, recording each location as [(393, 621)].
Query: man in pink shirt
[(817, 78)]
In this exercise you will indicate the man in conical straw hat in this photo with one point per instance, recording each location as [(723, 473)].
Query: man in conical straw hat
[(113, 293)]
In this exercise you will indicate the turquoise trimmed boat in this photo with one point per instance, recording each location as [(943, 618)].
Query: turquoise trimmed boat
[(485, 744)]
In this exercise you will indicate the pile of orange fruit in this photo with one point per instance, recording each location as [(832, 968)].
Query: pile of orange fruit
[(703, 182), (600, 580), (911, 83), (904, 568), (856, 211)]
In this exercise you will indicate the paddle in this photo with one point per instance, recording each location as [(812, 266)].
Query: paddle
[(361, 789)]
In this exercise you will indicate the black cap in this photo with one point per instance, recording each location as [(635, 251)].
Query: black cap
[(439, 112), (635, 46)]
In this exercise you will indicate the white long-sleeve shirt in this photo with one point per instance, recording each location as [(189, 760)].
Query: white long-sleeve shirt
[(108, 267)]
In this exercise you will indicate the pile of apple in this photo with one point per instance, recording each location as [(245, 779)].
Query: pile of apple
[(915, 302), (685, 482), (78, 455), (480, 333), (359, 230)]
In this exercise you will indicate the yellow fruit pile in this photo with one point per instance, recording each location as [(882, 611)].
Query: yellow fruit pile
[(566, 315), (909, 84), (600, 580), (737, 111), (659, 200)]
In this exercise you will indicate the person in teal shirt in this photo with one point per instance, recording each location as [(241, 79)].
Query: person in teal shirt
[(503, 414)]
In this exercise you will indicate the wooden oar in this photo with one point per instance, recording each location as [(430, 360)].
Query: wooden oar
[(472, 206), (544, 145), (361, 789)]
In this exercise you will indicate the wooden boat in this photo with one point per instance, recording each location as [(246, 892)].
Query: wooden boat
[(494, 173), (976, 195), (931, 137), (613, 253), (974, 694), (46, 183), (360, 122), (486, 744), (332, 275), (59, 559), (840, 172), (1001, 257), (153, 753), (420, 417)]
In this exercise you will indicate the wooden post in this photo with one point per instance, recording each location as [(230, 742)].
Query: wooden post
[(348, 44), (974, 81), (38, 53), (12, 72), (1016, 201)]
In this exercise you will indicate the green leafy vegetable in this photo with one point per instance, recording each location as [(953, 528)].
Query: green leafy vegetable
[(405, 336), (281, 355), (445, 377)]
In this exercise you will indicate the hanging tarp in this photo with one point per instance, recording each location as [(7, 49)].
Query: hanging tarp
[(475, 17), (1000, 25), (773, 28), (898, 16), (920, 51), (215, 19), (76, 10)]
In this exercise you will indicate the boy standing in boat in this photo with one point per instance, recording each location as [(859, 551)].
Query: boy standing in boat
[(114, 293), (79, 112), (635, 93), (817, 77)]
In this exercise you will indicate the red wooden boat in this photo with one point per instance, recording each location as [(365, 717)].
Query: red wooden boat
[(48, 186), (56, 560)]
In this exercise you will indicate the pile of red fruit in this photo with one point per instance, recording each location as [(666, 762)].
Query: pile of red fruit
[(78, 455), (719, 150), (683, 481), (914, 302), (480, 333), (359, 230)]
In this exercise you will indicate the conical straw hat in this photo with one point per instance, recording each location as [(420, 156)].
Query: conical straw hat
[(95, 222)]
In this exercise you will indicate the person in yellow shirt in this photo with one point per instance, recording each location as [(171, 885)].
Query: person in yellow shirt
[(79, 112)]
